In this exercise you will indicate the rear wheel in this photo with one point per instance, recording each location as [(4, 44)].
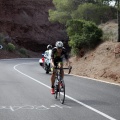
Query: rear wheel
[(62, 92)]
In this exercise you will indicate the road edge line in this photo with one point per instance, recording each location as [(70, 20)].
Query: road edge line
[(81, 103)]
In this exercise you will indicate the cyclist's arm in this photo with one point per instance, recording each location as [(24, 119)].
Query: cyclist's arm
[(52, 62), (52, 58)]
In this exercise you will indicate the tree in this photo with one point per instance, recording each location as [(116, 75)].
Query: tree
[(87, 11), (64, 9)]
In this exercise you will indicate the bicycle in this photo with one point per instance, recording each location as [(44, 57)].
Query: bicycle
[(59, 85)]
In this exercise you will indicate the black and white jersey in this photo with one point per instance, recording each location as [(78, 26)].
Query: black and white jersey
[(54, 54)]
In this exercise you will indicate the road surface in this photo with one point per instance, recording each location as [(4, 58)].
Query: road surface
[(25, 95)]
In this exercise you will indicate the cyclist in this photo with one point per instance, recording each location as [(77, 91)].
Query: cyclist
[(58, 53)]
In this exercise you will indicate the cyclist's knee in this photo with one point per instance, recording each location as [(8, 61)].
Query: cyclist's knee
[(53, 70), (60, 65), (53, 73)]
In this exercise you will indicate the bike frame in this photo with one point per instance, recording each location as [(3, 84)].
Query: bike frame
[(60, 84)]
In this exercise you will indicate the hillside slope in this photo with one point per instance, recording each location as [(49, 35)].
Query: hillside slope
[(100, 63), (26, 23)]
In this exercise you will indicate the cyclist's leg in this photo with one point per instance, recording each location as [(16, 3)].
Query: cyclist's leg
[(53, 79), (60, 64), (52, 82)]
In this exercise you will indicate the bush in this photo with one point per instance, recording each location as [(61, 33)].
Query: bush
[(83, 34), (23, 51), (10, 47)]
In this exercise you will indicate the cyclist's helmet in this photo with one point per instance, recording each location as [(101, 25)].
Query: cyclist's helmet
[(59, 44), (49, 47)]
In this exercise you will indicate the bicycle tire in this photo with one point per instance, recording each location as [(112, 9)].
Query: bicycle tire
[(62, 92), (55, 90)]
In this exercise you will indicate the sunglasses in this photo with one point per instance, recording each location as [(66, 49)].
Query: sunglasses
[(59, 47)]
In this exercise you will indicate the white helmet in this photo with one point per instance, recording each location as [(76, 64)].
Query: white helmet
[(59, 44), (49, 47)]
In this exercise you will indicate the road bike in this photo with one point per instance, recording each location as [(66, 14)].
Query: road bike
[(59, 85)]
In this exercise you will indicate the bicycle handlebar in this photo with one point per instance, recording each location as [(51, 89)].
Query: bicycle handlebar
[(69, 68)]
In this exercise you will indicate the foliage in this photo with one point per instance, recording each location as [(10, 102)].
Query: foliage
[(95, 13), (63, 10), (23, 51), (83, 34), (57, 16), (10, 47), (77, 14), (92, 10)]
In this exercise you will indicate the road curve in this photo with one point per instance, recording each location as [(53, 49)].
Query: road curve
[(25, 95)]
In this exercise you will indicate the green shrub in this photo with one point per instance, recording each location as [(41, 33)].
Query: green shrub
[(10, 47), (83, 34), (23, 51)]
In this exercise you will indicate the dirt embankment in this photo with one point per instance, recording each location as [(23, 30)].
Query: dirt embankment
[(102, 63)]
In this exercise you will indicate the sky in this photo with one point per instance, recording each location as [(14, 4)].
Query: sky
[(112, 3)]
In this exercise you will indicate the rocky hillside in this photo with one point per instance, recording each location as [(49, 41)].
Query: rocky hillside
[(101, 63), (26, 23)]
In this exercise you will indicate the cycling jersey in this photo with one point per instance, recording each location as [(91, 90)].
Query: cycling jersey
[(56, 58)]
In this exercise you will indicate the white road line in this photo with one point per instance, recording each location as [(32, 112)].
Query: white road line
[(11, 108), (29, 76), (81, 103), (96, 79)]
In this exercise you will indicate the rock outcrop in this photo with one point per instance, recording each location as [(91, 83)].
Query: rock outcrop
[(26, 22)]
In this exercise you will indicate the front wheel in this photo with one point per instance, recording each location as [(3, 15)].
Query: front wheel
[(62, 92), (56, 89)]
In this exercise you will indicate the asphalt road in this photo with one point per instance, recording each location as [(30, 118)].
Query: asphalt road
[(25, 95)]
